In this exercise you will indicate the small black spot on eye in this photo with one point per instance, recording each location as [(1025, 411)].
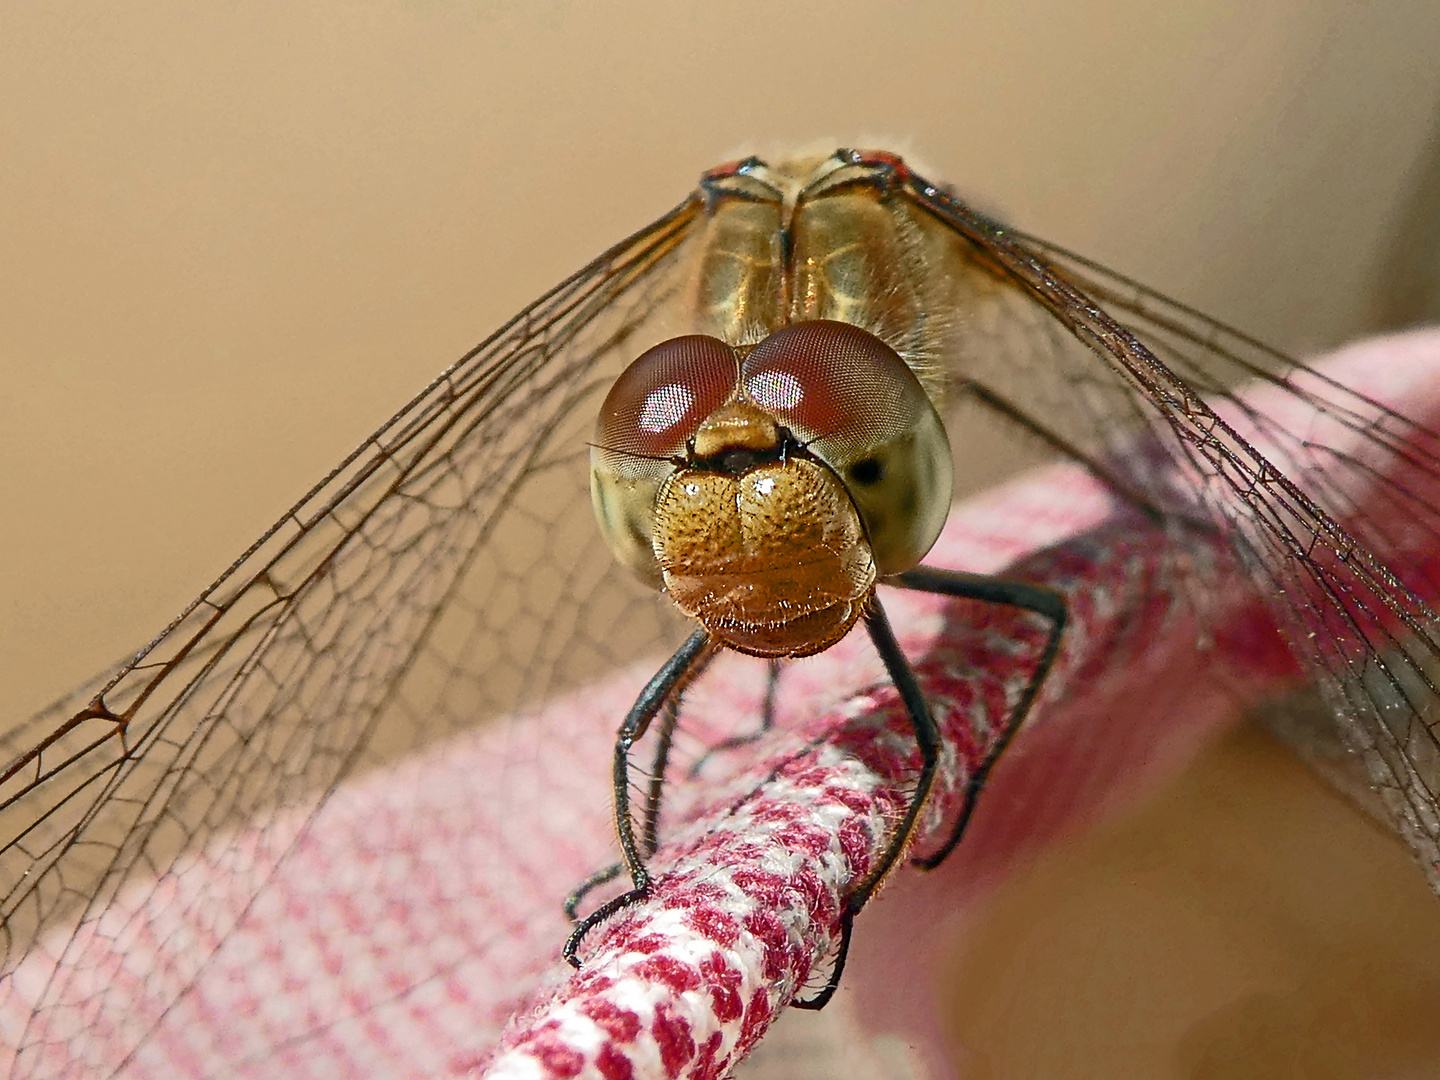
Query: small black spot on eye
[(867, 471)]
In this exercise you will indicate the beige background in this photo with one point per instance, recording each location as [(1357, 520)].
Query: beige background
[(236, 237)]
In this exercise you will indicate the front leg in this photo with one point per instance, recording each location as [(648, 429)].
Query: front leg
[(687, 662)]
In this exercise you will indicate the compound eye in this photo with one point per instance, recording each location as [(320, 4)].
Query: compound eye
[(647, 419), (659, 400), (858, 407), (835, 384)]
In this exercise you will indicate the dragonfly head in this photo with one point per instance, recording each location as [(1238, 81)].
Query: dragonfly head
[(767, 489)]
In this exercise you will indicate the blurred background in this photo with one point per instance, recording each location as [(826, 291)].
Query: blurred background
[(237, 237)]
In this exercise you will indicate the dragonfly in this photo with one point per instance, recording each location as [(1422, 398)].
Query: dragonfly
[(448, 577)]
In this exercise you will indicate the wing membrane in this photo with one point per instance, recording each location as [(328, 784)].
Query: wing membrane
[(1322, 490), (270, 687)]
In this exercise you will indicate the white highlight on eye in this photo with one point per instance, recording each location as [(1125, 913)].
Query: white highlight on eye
[(665, 407), (775, 389), (765, 485)]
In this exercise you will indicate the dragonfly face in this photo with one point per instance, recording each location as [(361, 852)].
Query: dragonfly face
[(766, 491)]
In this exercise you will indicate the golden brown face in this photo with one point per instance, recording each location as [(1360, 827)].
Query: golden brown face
[(766, 490)]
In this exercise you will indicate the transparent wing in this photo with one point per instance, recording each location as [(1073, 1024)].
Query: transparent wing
[(304, 660), (1328, 495)]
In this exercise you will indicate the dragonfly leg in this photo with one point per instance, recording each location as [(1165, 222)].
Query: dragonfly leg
[(687, 662), (650, 816), (927, 737), (594, 881), (1019, 594)]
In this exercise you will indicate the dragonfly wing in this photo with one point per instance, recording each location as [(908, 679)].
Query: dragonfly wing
[(1328, 495), (287, 673)]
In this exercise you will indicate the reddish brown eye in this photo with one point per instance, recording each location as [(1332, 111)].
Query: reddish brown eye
[(659, 400), (831, 379), (858, 407)]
